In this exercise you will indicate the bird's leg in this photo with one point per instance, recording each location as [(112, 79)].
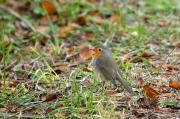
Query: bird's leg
[(104, 85)]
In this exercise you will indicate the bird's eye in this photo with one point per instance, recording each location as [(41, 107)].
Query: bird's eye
[(99, 49)]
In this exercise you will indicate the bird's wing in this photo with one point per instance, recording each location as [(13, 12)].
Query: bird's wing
[(111, 73), (106, 69)]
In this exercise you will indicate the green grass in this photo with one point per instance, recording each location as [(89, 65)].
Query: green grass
[(132, 34)]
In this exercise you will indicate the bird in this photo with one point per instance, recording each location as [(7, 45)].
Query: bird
[(106, 68)]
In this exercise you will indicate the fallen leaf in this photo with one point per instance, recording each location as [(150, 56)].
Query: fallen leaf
[(125, 99), (41, 29), (8, 40), (59, 114), (93, 12), (170, 67), (88, 35), (146, 102), (50, 97), (88, 69), (111, 92), (147, 54), (19, 6), (65, 30), (128, 56), (45, 20), (81, 20), (119, 94), (176, 52), (4, 110), (115, 19), (45, 39), (150, 92), (64, 67), (156, 65), (98, 20), (140, 81), (165, 110), (174, 84), (166, 95), (162, 22), (146, 17), (85, 52), (10, 83), (70, 50), (176, 43), (178, 97), (49, 6), (58, 71)]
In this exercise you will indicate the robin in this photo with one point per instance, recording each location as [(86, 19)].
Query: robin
[(106, 68)]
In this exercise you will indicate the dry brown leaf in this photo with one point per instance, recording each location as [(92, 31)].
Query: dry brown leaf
[(59, 114), (98, 20), (4, 110), (128, 56), (174, 84), (44, 40), (41, 29), (166, 95), (19, 6), (125, 99), (178, 97), (65, 30), (64, 67), (119, 94), (88, 35), (39, 111), (85, 52), (176, 52), (170, 67), (176, 43), (49, 6), (156, 65), (115, 19), (162, 22), (50, 97), (146, 17), (70, 50), (45, 20), (10, 83), (88, 69), (93, 12), (58, 71), (140, 81), (150, 92), (156, 88), (81, 20), (111, 92), (147, 54), (8, 40), (165, 110)]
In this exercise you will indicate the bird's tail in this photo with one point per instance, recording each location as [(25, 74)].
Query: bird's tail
[(120, 79)]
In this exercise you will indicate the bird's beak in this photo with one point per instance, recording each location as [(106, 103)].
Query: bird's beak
[(92, 49)]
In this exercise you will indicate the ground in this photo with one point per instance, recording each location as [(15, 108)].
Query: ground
[(46, 63)]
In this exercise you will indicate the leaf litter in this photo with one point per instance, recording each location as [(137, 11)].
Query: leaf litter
[(66, 80)]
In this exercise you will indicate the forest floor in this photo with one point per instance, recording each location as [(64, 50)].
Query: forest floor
[(46, 63)]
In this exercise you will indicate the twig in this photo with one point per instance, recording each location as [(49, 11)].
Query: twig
[(11, 64), (21, 111), (16, 15)]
